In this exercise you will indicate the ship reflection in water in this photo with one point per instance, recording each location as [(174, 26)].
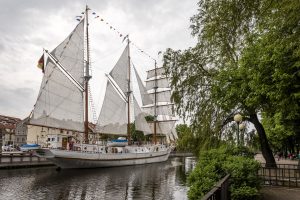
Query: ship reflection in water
[(153, 181)]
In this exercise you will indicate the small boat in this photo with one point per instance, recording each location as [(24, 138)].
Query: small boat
[(28, 147), (63, 103), (120, 142)]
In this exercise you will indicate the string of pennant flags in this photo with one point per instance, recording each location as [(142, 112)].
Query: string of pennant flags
[(119, 33), (79, 18)]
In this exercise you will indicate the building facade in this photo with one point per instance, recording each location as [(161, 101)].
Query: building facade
[(57, 138), (21, 132), (7, 130)]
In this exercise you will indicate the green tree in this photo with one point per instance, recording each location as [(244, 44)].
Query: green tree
[(186, 141), (271, 64), (233, 69), (277, 131), (136, 135)]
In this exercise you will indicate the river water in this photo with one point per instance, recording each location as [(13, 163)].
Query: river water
[(164, 181)]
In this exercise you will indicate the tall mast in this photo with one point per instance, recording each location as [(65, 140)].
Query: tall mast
[(87, 77), (128, 95), (155, 101)]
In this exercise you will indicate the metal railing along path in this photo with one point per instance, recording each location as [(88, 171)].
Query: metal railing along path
[(220, 191), (287, 175)]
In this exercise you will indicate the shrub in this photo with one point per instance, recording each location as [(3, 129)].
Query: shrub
[(245, 193), (216, 163)]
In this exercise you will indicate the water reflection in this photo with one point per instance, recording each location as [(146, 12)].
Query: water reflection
[(153, 181)]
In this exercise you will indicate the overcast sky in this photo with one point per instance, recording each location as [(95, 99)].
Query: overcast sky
[(28, 26)]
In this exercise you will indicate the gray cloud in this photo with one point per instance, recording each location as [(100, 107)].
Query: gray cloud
[(17, 102)]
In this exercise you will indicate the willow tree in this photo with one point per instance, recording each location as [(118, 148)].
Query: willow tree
[(231, 68)]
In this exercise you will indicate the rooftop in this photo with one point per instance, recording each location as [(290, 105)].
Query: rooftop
[(8, 122)]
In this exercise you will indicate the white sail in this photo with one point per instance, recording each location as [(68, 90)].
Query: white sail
[(161, 109), (145, 96), (140, 121), (60, 102), (120, 71), (113, 114), (159, 71), (161, 96), (163, 127), (161, 82), (174, 133)]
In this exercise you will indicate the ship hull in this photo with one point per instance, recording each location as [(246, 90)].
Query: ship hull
[(78, 159)]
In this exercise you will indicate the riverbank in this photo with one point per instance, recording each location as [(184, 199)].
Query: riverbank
[(18, 159)]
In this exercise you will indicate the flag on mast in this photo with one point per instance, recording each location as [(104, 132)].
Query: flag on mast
[(41, 63)]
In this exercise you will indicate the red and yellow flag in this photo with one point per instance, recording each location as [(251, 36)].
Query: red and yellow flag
[(41, 63)]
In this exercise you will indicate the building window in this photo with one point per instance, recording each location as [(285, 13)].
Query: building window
[(23, 139), (53, 139)]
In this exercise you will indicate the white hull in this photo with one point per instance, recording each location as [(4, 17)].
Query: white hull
[(81, 159)]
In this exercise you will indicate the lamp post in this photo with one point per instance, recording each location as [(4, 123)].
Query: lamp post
[(242, 127), (238, 118)]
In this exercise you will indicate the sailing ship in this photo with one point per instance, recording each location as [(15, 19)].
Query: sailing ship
[(63, 102)]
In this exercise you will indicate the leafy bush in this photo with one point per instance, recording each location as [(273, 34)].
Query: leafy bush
[(216, 163), (245, 193)]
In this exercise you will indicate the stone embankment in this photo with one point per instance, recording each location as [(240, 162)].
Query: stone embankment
[(21, 160)]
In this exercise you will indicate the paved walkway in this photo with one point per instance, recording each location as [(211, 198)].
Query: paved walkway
[(261, 159), (280, 193)]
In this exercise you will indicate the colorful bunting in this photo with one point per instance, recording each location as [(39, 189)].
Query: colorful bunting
[(124, 38)]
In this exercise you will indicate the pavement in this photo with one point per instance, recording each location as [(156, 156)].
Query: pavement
[(280, 193), (260, 158), (275, 192)]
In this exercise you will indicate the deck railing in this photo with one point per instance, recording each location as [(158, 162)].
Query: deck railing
[(220, 191), (287, 175)]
